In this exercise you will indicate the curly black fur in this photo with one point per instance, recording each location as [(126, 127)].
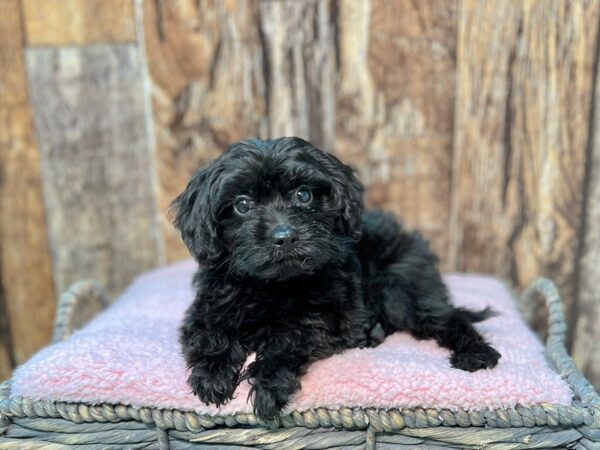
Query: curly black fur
[(346, 279)]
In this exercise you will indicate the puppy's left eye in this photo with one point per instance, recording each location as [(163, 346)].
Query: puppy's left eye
[(242, 205), (304, 196)]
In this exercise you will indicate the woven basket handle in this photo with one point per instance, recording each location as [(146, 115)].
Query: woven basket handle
[(76, 306), (555, 343)]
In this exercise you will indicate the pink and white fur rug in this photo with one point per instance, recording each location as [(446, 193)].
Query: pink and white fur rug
[(130, 355)]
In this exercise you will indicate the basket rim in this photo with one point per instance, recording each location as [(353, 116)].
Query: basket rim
[(348, 418)]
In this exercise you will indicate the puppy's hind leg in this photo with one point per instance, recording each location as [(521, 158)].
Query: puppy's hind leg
[(410, 295), (427, 314), (453, 328)]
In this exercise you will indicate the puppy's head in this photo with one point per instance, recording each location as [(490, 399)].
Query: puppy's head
[(270, 210)]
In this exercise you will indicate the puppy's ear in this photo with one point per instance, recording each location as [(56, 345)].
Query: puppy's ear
[(348, 193), (353, 205), (193, 213)]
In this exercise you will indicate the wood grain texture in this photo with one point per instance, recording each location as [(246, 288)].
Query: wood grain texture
[(90, 121), (7, 361), (67, 22), (394, 106), (586, 334), (27, 296), (299, 51), (234, 70), (206, 64), (524, 83)]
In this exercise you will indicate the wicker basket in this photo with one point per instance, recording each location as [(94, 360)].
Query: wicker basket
[(27, 424)]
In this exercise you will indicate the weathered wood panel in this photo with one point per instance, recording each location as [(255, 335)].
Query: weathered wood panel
[(7, 360), (27, 297), (206, 64), (587, 309), (299, 49), (66, 22), (524, 84), (394, 106), (234, 70), (98, 184)]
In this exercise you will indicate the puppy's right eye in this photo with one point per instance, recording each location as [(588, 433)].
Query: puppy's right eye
[(242, 205)]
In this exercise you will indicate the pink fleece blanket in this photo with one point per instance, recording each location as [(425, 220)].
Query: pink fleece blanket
[(129, 354)]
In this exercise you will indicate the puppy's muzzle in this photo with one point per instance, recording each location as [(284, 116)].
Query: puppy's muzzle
[(284, 237)]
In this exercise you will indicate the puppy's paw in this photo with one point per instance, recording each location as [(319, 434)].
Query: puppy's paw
[(270, 390), (217, 388), (372, 337), (368, 342), (268, 402), (475, 358)]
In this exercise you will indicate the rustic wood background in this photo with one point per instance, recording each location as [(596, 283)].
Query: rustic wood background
[(474, 120)]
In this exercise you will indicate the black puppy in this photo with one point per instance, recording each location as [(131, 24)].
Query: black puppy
[(292, 269)]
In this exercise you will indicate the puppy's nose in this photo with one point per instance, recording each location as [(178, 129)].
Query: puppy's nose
[(284, 236)]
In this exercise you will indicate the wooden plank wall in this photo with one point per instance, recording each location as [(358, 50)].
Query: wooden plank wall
[(27, 293), (471, 119), (586, 309), (524, 85), (87, 91), (77, 201), (101, 212), (396, 125), (208, 89)]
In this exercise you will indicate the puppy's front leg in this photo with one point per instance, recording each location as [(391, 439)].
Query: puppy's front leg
[(274, 375), (215, 360)]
